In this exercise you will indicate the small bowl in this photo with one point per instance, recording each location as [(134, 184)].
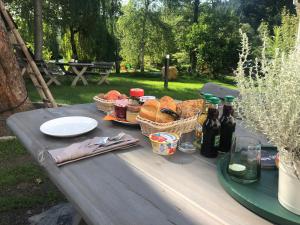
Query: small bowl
[(164, 143)]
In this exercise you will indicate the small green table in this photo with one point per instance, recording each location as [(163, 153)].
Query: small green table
[(259, 197)]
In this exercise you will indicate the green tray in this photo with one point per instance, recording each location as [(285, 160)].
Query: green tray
[(259, 197)]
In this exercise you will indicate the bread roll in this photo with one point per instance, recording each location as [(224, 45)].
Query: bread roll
[(168, 103), (112, 95), (189, 108), (151, 111)]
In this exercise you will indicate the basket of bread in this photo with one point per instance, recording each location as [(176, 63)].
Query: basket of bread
[(105, 101), (167, 115)]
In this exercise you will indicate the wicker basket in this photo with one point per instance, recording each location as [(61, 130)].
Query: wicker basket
[(179, 126), (104, 105)]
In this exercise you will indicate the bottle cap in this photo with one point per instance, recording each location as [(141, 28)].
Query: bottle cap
[(207, 96), (136, 92), (229, 98), (214, 100)]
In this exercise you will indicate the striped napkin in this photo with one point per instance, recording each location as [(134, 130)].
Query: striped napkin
[(89, 148)]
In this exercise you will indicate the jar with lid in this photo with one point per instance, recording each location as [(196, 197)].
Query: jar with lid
[(132, 113), (135, 94)]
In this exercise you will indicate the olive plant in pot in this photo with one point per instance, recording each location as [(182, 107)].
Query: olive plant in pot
[(270, 103)]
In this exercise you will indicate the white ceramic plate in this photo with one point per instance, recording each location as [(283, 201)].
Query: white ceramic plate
[(70, 126)]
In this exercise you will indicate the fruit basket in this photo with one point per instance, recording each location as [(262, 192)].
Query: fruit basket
[(104, 105)]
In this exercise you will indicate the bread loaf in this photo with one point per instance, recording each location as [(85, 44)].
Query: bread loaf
[(151, 111), (189, 108), (168, 103)]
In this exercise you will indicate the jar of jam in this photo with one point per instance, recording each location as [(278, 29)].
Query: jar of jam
[(132, 113), (121, 108), (135, 94)]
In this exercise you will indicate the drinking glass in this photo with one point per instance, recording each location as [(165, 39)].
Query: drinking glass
[(245, 155), (186, 142)]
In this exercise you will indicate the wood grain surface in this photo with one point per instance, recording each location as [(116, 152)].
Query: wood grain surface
[(135, 186)]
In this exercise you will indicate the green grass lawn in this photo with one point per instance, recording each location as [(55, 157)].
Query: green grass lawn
[(181, 89), (24, 186)]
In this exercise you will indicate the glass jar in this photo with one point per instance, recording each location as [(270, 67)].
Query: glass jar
[(186, 142), (132, 113), (121, 108), (245, 155)]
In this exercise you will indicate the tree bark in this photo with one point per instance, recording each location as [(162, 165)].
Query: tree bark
[(73, 43), (38, 29), (13, 94), (193, 53), (143, 44)]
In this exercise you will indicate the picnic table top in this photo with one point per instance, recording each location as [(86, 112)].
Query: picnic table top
[(135, 186), (86, 64), (74, 64)]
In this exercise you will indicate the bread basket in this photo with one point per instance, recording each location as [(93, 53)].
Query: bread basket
[(179, 126), (104, 105)]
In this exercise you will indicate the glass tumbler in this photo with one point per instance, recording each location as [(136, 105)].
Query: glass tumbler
[(244, 166), (186, 142)]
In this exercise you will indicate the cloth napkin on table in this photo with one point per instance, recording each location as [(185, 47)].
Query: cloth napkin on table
[(89, 148)]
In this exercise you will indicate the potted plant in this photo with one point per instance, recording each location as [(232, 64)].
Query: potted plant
[(270, 103)]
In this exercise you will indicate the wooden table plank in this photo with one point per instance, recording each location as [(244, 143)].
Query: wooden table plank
[(132, 187)]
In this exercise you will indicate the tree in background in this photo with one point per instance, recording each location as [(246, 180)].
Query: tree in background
[(256, 11), (72, 28), (38, 29), (142, 33), (200, 35), (217, 39), (284, 35)]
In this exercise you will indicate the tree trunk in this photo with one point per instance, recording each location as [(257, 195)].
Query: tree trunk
[(13, 94), (193, 53), (297, 5), (196, 11), (117, 62), (142, 57), (73, 43), (142, 53), (38, 29)]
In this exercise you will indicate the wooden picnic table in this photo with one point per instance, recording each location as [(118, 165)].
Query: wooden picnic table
[(80, 69), (135, 186)]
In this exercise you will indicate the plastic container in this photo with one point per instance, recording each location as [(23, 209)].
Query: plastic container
[(164, 143)]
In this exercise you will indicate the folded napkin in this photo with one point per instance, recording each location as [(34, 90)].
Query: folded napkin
[(89, 148)]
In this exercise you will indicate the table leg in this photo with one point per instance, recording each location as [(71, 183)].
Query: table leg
[(52, 78), (104, 77), (79, 75), (62, 67)]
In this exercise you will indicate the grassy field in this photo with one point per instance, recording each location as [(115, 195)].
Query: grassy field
[(24, 187), (183, 88)]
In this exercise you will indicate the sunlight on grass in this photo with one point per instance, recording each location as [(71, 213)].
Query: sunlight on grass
[(152, 84)]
